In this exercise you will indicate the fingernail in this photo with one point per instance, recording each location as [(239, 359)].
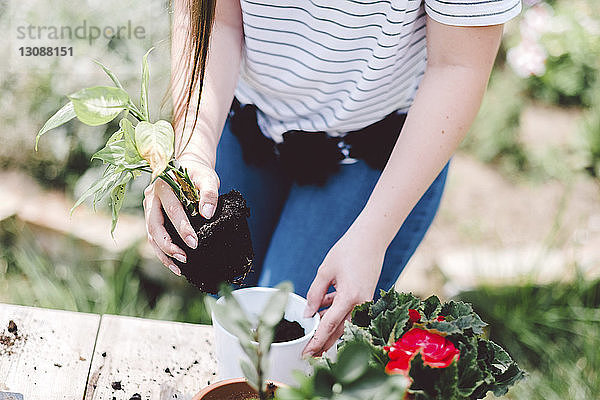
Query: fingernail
[(180, 257), (175, 270), (191, 241), (208, 210), (307, 354)]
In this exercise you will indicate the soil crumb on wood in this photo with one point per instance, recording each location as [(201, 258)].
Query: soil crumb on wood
[(9, 338), (116, 385), (136, 396), (224, 252), (287, 330)]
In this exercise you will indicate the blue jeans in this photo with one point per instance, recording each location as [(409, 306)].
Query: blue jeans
[(293, 227)]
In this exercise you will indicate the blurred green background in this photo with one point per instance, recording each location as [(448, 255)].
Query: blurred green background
[(518, 232)]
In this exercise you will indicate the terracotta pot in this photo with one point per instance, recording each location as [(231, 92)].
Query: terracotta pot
[(232, 389)]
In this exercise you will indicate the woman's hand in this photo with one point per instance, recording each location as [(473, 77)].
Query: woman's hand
[(352, 267), (159, 194)]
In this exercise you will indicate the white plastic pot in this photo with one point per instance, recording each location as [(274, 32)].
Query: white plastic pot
[(285, 357)]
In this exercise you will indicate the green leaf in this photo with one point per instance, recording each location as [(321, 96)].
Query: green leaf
[(144, 90), (352, 363), (154, 143), (105, 189), (107, 182), (431, 307), (113, 153), (117, 196), (368, 385), (323, 383), (388, 324), (470, 376), (132, 156), (437, 383), (360, 314), (271, 315), (355, 334), (99, 105), (118, 135), (110, 74), (275, 307), (504, 369), (460, 317), (250, 374), (62, 116), (234, 321)]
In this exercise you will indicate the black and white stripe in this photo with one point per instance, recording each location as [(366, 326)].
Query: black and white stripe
[(338, 66)]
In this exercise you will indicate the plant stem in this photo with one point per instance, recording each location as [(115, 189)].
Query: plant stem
[(135, 111), (259, 372), (174, 185)]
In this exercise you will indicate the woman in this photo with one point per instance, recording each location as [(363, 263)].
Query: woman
[(402, 76)]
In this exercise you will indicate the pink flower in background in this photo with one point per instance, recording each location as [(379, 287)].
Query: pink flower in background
[(536, 21), (527, 59)]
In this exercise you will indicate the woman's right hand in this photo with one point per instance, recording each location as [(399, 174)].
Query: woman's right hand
[(159, 194)]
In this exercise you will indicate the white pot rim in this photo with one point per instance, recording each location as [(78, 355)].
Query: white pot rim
[(307, 335)]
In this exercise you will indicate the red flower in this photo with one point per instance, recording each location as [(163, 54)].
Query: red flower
[(436, 351), (413, 315), (441, 318)]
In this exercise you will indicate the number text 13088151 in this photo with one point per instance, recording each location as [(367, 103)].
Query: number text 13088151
[(46, 51)]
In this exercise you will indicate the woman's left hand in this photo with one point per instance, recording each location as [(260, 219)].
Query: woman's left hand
[(352, 267)]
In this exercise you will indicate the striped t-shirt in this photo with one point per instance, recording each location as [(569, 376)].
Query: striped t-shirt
[(338, 66)]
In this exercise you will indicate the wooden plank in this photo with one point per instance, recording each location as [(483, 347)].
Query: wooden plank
[(51, 357), (157, 359)]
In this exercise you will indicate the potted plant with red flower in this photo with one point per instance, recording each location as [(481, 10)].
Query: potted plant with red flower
[(439, 349)]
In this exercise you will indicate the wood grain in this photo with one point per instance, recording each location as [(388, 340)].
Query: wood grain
[(51, 357), (158, 359)]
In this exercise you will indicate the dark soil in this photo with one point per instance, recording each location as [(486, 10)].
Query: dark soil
[(117, 385), (12, 327), (10, 339), (224, 252), (286, 331), (136, 396)]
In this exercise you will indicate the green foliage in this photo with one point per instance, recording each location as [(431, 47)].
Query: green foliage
[(255, 338), (101, 283), (553, 330), (144, 89), (99, 105), (589, 133), (573, 58), (351, 377), (482, 366), (386, 318), (154, 143), (62, 116), (494, 136), (147, 147)]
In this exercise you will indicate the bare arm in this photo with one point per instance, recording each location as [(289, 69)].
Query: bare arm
[(198, 156), (460, 60), (458, 68)]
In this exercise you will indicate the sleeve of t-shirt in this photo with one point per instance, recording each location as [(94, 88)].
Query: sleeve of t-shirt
[(472, 12)]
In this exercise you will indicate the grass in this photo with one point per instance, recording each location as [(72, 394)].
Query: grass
[(86, 280), (553, 331)]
